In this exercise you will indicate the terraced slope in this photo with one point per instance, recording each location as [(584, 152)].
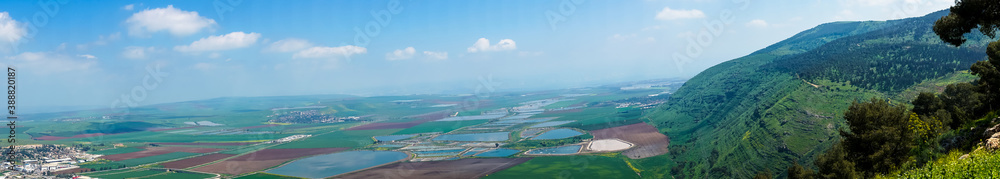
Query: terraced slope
[(784, 103)]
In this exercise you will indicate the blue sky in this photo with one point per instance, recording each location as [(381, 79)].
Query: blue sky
[(96, 53)]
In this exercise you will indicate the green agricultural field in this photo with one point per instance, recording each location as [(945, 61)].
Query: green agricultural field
[(351, 139), (154, 137), (117, 151), (173, 175), (319, 128), (440, 126), (562, 104), (126, 174), (266, 176), (578, 166)]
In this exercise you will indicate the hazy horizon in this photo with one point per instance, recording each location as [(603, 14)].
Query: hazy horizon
[(209, 50)]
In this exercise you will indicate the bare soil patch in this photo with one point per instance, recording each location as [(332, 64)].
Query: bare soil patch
[(464, 168), (649, 141), (239, 167)]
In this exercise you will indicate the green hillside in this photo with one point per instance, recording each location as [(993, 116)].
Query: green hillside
[(784, 104)]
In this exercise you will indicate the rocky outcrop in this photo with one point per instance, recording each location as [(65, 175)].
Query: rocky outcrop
[(993, 143), (993, 136)]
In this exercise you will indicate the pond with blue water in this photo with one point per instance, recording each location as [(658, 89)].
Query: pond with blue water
[(498, 153), (570, 149), (492, 136), (327, 165), (557, 134)]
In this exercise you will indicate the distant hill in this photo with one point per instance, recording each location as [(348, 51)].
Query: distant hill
[(784, 104)]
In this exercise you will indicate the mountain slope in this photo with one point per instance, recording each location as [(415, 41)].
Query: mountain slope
[(784, 104)]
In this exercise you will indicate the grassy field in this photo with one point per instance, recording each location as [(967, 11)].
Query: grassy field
[(352, 139), (440, 126), (125, 174), (579, 166), (561, 104), (148, 136), (979, 164), (652, 167), (107, 164), (117, 151)]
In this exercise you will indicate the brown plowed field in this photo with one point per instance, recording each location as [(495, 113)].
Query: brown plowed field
[(190, 162), (151, 151), (464, 168), (214, 144), (649, 141), (262, 159)]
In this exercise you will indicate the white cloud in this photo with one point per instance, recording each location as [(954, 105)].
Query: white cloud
[(87, 56), (288, 45), (129, 7), (221, 42), (671, 14), (48, 62), (170, 19), (483, 45), (214, 55), (330, 52), (757, 23), (11, 31), (436, 55), (620, 37), (401, 54), (134, 52)]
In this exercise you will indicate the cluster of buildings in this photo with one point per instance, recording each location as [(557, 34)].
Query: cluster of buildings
[(309, 116), (42, 159), (290, 138)]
